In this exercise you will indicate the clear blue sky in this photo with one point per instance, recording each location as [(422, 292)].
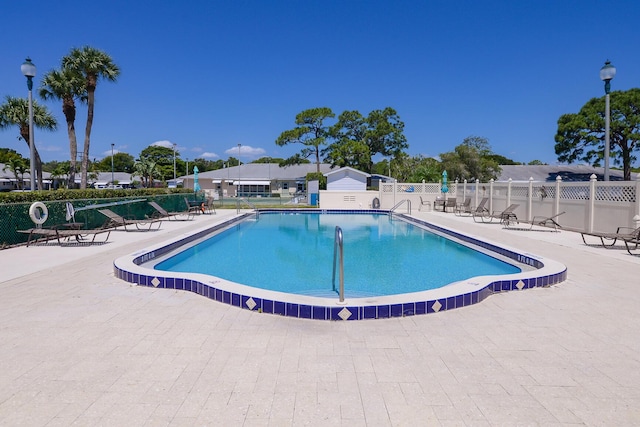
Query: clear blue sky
[(208, 75)]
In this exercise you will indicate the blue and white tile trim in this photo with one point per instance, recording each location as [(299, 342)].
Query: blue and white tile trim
[(137, 268)]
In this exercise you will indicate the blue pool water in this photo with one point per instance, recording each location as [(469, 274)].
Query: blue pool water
[(293, 253)]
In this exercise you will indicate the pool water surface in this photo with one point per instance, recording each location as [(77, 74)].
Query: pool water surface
[(293, 253)]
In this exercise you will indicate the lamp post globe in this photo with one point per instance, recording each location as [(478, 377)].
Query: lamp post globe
[(29, 71), (607, 73)]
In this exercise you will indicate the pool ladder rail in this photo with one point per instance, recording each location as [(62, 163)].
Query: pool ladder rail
[(407, 201), (338, 247), (251, 205)]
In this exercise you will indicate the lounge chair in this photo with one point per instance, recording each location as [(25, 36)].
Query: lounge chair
[(163, 213), (626, 234), (505, 217), (62, 232), (542, 221), (479, 210), (464, 207), (116, 220)]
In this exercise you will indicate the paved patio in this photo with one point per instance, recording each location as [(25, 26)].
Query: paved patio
[(80, 347)]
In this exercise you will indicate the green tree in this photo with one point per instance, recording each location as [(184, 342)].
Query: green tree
[(147, 170), (580, 136), (385, 133), (67, 86), (536, 162), (60, 171), (358, 139), (471, 160), (15, 112), (413, 169), (163, 159), (7, 153), (268, 160), (311, 132), (93, 65), (18, 166), (122, 162)]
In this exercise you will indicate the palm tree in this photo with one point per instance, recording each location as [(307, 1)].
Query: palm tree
[(15, 111), (17, 166), (92, 64), (146, 169), (67, 86), (61, 171)]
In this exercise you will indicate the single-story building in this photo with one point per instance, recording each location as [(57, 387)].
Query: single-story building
[(255, 179), (346, 179)]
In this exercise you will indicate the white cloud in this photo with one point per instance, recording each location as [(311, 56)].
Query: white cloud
[(164, 143), (207, 155), (108, 153), (245, 151)]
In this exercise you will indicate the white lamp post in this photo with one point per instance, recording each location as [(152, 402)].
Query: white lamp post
[(29, 71), (174, 165), (607, 73), (113, 181), (239, 145)]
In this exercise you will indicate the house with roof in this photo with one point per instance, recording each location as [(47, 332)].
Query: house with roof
[(255, 179)]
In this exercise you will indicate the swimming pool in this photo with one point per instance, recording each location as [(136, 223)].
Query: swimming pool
[(293, 253), (537, 271)]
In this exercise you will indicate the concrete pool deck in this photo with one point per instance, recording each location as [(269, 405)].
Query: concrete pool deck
[(80, 347)]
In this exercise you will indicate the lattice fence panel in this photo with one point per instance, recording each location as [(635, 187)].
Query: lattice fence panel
[(617, 193), (575, 192)]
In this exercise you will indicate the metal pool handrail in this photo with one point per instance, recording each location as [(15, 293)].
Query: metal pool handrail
[(248, 203), (399, 204), (338, 243)]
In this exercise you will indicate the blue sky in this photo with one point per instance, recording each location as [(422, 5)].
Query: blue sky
[(208, 75)]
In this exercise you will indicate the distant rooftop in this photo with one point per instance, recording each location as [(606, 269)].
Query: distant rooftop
[(549, 173)]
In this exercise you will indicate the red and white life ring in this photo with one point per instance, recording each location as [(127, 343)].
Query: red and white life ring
[(38, 213)]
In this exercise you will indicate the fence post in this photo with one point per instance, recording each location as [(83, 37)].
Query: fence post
[(530, 199), (491, 195), (636, 208), (592, 201), (509, 181), (556, 207), (464, 189), (477, 191)]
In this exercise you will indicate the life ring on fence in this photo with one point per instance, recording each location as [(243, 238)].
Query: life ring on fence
[(38, 213), (375, 204)]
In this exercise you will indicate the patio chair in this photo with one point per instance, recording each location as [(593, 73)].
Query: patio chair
[(194, 206), (480, 209), (424, 203), (115, 221), (626, 234), (209, 205), (505, 217), (451, 203), (163, 213), (464, 207)]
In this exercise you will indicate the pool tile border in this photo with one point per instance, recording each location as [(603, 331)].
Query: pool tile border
[(255, 303)]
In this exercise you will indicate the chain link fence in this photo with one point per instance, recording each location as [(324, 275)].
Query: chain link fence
[(15, 216)]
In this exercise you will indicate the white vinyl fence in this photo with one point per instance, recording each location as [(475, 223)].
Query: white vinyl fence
[(590, 206)]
